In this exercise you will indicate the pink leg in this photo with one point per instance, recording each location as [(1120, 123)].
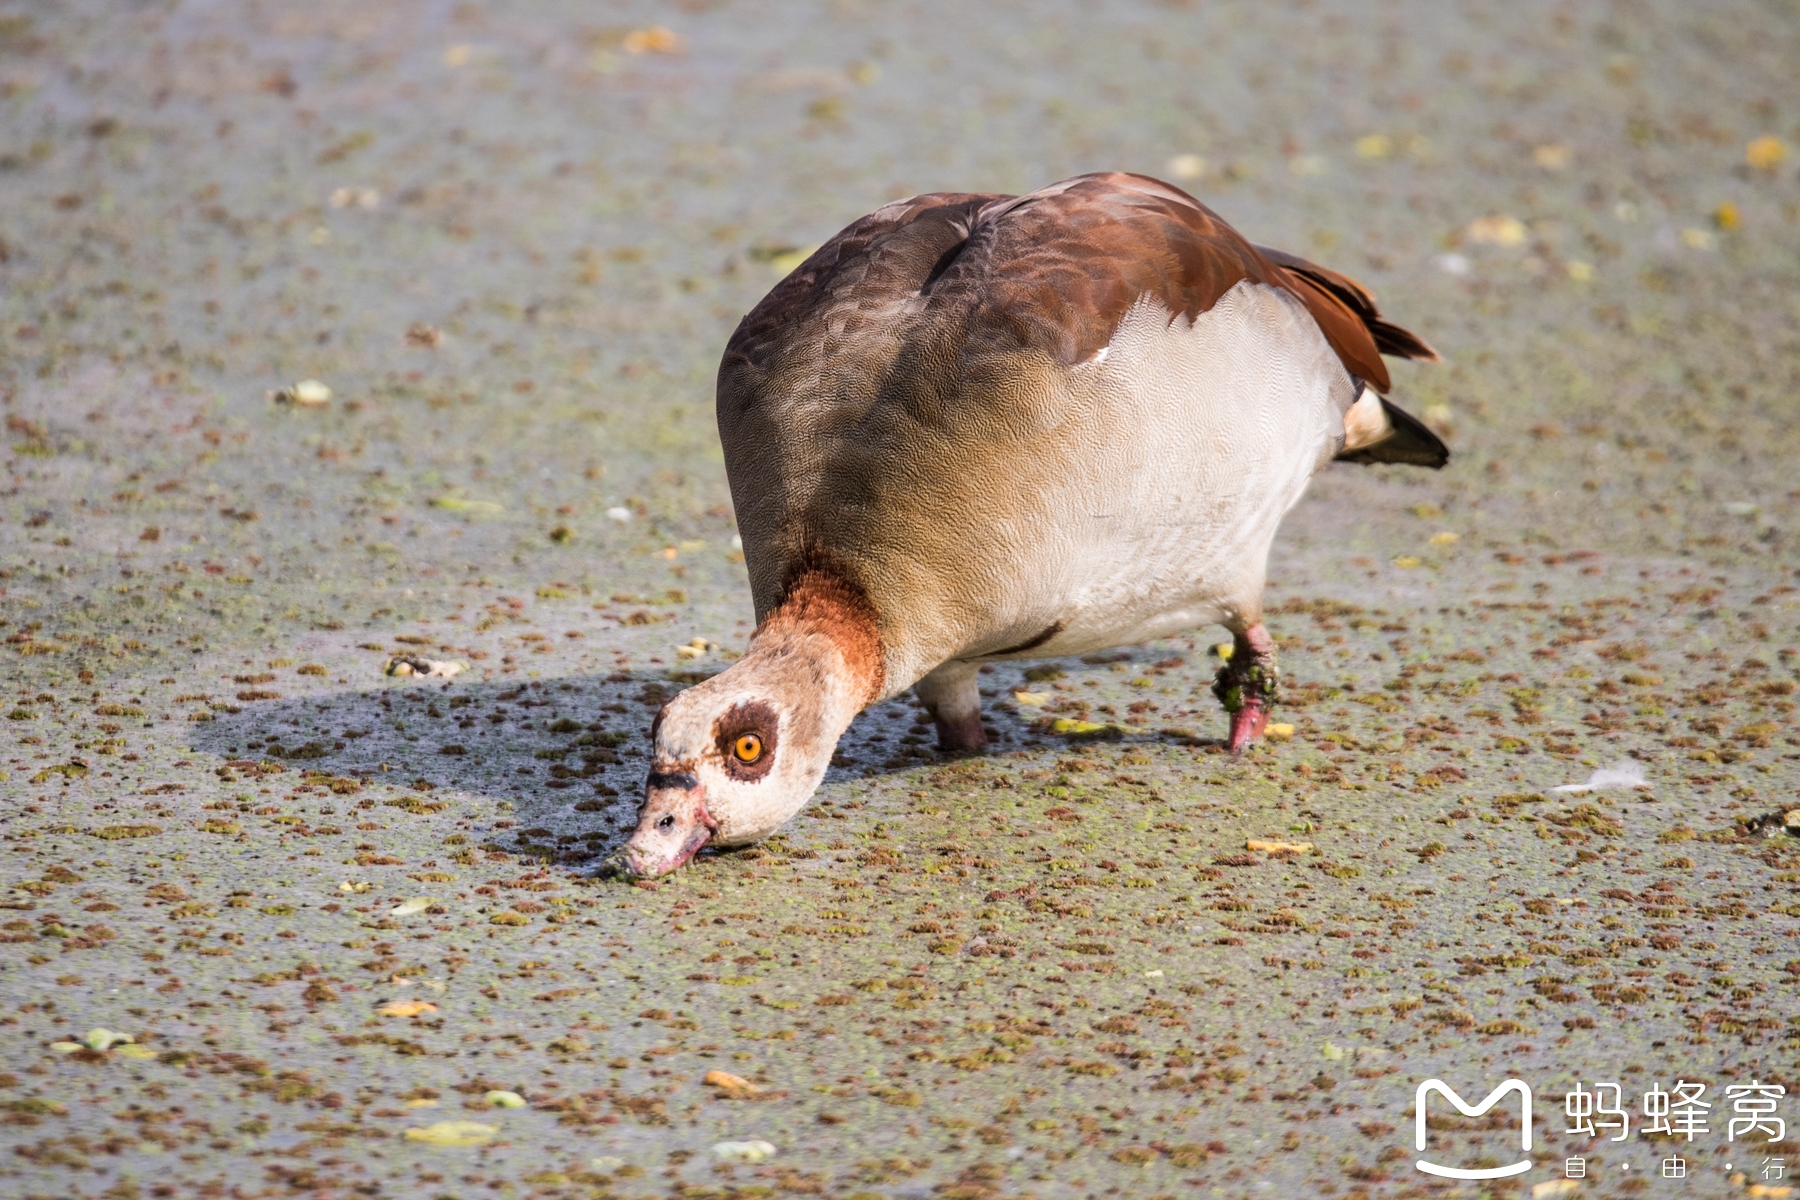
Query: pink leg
[(1246, 686), (952, 698), (961, 732)]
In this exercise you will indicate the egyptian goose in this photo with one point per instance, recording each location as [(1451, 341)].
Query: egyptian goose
[(973, 428)]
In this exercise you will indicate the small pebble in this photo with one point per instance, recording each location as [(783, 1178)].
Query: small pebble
[(308, 393), (411, 664), (744, 1152)]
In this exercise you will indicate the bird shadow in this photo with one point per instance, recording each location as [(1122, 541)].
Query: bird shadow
[(556, 765)]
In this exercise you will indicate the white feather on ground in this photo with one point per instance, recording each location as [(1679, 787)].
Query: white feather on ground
[(1623, 774)]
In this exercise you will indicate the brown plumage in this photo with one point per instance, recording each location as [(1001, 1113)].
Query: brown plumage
[(957, 284), (1055, 271)]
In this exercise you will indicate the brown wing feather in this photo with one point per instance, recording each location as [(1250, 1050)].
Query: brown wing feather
[(891, 252), (1389, 338), (1058, 268)]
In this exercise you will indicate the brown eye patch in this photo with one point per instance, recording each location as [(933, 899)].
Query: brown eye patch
[(746, 736)]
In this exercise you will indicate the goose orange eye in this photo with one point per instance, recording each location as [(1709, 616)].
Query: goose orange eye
[(748, 748)]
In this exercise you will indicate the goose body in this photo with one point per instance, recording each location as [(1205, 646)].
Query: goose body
[(973, 428)]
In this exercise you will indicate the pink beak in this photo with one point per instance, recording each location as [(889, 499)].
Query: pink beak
[(674, 806)]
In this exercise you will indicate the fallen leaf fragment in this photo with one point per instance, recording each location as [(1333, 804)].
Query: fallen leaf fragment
[(104, 1039), (658, 39), (1187, 167), (1268, 847), (785, 263), (1279, 731), (731, 1087), (724, 1079), (453, 1133), (1034, 699), (456, 504), (425, 668), (406, 1008), (1498, 230), (1766, 152), (1553, 1187), (361, 197), (66, 1047), (355, 888), (744, 1152), (135, 1051), (1334, 1052), (411, 907), (1445, 538), (1070, 727), (503, 1099), (1553, 157)]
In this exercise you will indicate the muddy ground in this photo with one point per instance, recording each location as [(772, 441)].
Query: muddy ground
[(511, 241)]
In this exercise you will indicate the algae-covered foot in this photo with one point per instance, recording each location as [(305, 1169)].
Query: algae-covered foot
[(1247, 685)]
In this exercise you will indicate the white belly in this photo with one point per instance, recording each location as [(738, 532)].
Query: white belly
[(1182, 449)]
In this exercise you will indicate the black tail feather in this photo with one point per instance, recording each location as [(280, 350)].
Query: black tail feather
[(1401, 343)]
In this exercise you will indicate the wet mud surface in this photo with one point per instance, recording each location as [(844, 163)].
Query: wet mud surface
[(336, 909)]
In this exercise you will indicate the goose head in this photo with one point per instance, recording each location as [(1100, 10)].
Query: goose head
[(738, 754)]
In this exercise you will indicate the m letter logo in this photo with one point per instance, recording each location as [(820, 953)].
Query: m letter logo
[(1475, 1110)]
